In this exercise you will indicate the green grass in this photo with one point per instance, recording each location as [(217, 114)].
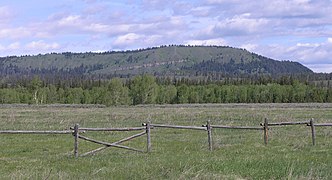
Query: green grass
[(176, 154)]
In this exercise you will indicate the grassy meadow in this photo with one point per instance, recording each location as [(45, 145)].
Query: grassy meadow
[(176, 154)]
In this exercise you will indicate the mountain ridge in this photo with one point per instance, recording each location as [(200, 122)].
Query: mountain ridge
[(163, 60)]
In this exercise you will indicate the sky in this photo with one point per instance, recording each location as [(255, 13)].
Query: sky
[(295, 30)]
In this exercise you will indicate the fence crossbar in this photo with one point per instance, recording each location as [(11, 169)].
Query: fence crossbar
[(323, 124), (34, 132), (116, 143), (112, 129), (176, 127), (286, 123), (236, 127), (108, 144)]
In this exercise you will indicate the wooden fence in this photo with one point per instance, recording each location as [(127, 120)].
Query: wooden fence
[(106, 145), (307, 123), (76, 131), (209, 128)]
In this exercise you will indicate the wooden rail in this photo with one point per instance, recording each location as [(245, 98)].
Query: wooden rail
[(286, 123), (115, 143), (76, 130), (112, 129), (175, 126), (324, 124), (235, 127), (106, 144), (34, 132)]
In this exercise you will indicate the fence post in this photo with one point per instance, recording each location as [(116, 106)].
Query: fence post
[(148, 133), (76, 140), (266, 131), (313, 132), (208, 128)]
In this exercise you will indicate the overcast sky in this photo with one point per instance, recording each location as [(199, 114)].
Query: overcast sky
[(296, 30)]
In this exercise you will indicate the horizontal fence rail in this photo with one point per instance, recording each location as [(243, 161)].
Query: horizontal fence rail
[(176, 127), (34, 132), (112, 129), (286, 123), (76, 132), (235, 127), (323, 124)]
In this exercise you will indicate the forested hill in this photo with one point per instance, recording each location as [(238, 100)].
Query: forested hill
[(160, 61)]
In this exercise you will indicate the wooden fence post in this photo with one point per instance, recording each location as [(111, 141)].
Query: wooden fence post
[(208, 127), (148, 133), (266, 131), (76, 140), (313, 132)]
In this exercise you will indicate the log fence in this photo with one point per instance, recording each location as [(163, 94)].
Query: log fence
[(106, 144), (76, 131), (209, 128)]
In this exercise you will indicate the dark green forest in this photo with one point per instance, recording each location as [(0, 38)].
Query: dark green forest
[(160, 75), (147, 89)]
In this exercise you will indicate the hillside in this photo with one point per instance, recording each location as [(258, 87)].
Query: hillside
[(165, 60)]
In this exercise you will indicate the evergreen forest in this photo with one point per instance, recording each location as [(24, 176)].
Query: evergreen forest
[(173, 74), (147, 89)]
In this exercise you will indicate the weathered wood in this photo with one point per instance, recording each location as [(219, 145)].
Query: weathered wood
[(113, 129), (324, 124), (108, 144), (237, 127), (34, 132), (94, 151), (76, 135), (117, 142), (286, 123), (313, 132), (266, 131), (148, 133), (209, 130), (130, 137), (178, 127)]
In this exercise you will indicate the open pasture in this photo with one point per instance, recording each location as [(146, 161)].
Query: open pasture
[(176, 154)]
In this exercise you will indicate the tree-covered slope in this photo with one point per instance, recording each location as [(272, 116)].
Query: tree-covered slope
[(164, 60)]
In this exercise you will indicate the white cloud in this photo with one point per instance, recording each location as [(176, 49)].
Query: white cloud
[(14, 46), (5, 14), (309, 45), (15, 33), (71, 20), (323, 68), (10, 47), (238, 25), (127, 39), (41, 45), (134, 40), (217, 42), (223, 1), (250, 47), (305, 53), (329, 40)]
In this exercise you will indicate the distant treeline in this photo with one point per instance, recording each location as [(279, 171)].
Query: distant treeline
[(146, 89)]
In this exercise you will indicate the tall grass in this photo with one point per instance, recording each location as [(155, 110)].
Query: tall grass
[(176, 154)]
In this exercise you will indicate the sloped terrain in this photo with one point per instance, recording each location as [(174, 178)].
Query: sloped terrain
[(164, 60)]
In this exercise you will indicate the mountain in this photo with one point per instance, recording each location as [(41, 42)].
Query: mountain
[(164, 60)]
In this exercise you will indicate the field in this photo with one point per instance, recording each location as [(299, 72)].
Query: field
[(176, 154)]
